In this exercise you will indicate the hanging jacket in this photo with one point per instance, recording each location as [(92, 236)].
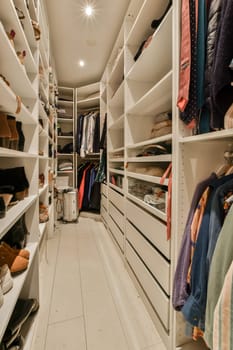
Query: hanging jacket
[(222, 75)]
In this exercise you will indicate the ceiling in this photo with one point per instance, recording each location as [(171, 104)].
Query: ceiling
[(76, 37)]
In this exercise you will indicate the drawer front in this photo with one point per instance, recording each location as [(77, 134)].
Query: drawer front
[(104, 189), (150, 226), (117, 216), (155, 262), (158, 299), (104, 214), (117, 199), (116, 233), (104, 202)]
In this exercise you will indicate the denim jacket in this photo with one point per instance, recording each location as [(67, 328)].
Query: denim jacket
[(194, 308)]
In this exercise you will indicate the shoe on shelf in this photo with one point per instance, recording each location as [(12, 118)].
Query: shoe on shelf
[(2, 208), (14, 140), (15, 262), (23, 309), (5, 132), (15, 177), (18, 343), (24, 253), (6, 279), (43, 213)]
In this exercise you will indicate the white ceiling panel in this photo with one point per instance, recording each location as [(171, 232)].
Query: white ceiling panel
[(76, 37)]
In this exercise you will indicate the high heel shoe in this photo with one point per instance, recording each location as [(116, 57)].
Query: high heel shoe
[(5, 132)]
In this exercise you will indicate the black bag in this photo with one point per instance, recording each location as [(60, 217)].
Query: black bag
[(16, 237)]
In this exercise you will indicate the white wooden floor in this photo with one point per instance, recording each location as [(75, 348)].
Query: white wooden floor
[(88, 301)]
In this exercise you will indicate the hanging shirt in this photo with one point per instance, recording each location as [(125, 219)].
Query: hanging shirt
[(221, 261), (180, 286)]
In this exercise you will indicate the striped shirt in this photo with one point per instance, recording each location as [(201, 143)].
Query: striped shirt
[(223, 315)]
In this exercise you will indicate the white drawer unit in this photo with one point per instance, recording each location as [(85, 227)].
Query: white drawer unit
[(117, 216), (104, 189), (116, 232), (150, 226), (156, 296), (155, 262), (117, 199), (104, 202), (104, 214)]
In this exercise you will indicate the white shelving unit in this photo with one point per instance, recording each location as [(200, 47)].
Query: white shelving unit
[(26, 82), (139, 230), (138, 91), (66, 124)]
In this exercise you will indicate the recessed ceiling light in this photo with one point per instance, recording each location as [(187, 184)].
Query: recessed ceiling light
[(81, 63), (88, 10)]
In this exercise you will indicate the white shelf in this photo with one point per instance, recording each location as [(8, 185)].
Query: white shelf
[(87, 90), (116, 171), (43, 92), (146, 15), (117, 72), (160, 214), (159, 158), (42, 132), (147, 178), (158, 98), (65, 137), (42, 112), (116, 159), (117, 100), (12, 296), (65, 154), (8, 103), (33, 10), (116, 188), (6, 152), (150, 141), (10, 20), (13, 70), (88, 102), (211, 136), (14, 213), (118, 124), (63, 120), (43, 189), (44, 52), (116, 150), (63, 103), (42, 228), (27, 23), (147, 69), (43, 157)]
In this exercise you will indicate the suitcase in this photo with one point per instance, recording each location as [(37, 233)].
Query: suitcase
[(70, 206)]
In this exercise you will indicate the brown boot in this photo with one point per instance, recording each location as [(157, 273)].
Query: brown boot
[(5, 132), (14, 140), (24, 253), (15, 262)]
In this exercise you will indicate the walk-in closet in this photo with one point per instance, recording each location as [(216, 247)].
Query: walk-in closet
[(116, 175)]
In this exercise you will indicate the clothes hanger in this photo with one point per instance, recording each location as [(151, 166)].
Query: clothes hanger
[(227, 167)]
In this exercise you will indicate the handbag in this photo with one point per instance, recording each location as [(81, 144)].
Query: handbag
[(16, 237)]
